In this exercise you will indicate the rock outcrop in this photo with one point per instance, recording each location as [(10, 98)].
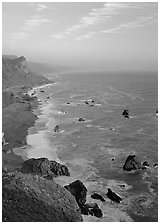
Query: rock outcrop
[(81, 119), (125, 113), (57, 128), (132, 163), (28, 198), (97, 196), (44, 167), (79, 191), (92, 209), (113, 196), (145, 163)]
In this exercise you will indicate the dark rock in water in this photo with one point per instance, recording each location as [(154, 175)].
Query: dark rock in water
[(91, 205), (122, 186), (68, 103), (42, 91), (29, 198), (92, 101), (157, 111), (96, 212), (97, 196), (125, 113), (91, 105), (57, 128), (92, 209), (155, 165), (81, 119), (145, 163), (48, 97), (84, 210), (113, 196), (79, 191), (113, 159), (58, 169), (44, 167), (132, 163), (86, 102)]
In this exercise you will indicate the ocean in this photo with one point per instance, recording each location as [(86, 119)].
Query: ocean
[(96, 148)]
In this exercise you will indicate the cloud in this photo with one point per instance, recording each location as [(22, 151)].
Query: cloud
[(139, 22), (40, 7), (29, 26), (34, 22), (95, 17)]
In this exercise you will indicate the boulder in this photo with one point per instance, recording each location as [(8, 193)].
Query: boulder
[(145, 163), (132, 163), (125, 113), (92, 209), (97, 196), (113, 196), (58, 169), (29, 198), (79, 191), (81, 119), (44, 167), (96, 212), (57, 128)]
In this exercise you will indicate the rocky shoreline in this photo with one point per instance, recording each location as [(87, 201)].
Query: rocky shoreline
[(27, 184)]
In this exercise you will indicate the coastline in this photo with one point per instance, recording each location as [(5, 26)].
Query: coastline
[(18, 117), (111, 212), (36, 139)]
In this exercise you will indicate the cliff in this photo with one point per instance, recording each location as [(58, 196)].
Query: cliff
[(15, 72)]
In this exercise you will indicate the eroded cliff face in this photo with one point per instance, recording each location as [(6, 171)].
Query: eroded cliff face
[(21, 64), (15, 72)]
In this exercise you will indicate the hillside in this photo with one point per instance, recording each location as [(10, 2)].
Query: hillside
[(28, 198), (15, 72)]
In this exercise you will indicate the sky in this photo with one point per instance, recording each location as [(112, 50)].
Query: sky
[(89, 35)]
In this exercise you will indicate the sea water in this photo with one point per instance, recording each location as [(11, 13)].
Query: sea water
[(95, 149)]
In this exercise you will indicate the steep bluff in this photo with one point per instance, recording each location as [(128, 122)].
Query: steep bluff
[(15, 72)]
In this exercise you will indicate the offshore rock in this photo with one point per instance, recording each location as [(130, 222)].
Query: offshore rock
[(44, 167), (113, 196), (57, 128), (145, 163), (79, 191), (28, 198), (97, 196), (132, 163), (81, 119), (125, 113), (92, 209)]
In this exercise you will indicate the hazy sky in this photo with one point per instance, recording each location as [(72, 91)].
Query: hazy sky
[(96, 34)]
